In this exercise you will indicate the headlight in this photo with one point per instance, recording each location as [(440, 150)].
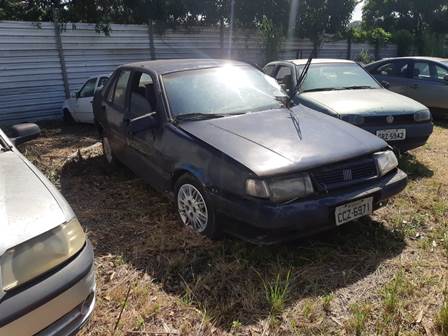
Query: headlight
[(354, 119), (424, 115), (385, 162), (257, 188), (34, 257), (281, 190), (297, 187)]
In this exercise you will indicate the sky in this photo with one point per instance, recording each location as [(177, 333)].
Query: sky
[(357, 14)]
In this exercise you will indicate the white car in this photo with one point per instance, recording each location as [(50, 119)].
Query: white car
[(47, 272), (78, 108)]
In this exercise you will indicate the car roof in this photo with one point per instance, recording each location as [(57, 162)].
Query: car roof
[(101, 75), (303, 61), (423, 58), (174, 65)]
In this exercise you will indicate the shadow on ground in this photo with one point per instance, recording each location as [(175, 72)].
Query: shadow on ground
[(228, 279), (414, 168)]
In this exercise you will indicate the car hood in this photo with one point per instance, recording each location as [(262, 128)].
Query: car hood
[(270, 142), (366, 102), (27, 207)]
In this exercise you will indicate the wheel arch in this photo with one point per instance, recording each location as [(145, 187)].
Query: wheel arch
[(182, 170)]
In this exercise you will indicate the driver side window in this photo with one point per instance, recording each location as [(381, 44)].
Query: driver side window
[(88, 90), (143, 97)]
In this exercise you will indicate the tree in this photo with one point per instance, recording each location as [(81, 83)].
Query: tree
[(320, 17), (416, 16)]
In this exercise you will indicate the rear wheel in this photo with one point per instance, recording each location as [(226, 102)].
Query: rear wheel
[(193, 207)]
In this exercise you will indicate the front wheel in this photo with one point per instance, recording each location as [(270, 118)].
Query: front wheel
[(194, 209)]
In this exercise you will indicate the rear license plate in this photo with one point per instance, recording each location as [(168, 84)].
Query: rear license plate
[(351, 211), (392, 134)]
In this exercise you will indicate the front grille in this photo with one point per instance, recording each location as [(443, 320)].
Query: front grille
[(382, 120), (346, 174)]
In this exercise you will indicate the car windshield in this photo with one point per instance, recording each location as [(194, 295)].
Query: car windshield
[(327, 77), (221, 91)]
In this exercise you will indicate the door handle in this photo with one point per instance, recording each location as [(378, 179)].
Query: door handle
[(414, 86)]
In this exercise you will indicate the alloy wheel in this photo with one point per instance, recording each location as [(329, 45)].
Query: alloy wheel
[(192, 207)]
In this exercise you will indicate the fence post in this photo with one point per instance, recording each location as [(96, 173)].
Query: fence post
[(152, 49), (221, 35), (349, 48), (57, 35)]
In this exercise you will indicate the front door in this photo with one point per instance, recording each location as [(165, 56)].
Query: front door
[(144, 147), (83, 111), (396, 74), (116, 109)]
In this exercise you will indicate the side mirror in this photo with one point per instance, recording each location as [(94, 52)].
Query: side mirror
[(285, 88), (21, 133), (386, 84), (446, 78), (142, 123)]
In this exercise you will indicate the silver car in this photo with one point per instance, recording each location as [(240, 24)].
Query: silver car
[(424, 79), (47, 279), (343, 89)]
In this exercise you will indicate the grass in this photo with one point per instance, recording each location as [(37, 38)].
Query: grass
[(442, 317), (276, 293), (387, 268), (357, 322)]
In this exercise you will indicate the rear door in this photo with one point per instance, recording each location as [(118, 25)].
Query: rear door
[(115, 105), (427, 85)]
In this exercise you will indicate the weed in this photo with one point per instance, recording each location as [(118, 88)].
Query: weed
[(236, 325), (442, 317), (326, 302), (357, 323), (276, 293)]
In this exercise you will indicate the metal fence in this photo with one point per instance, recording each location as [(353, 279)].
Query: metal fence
[(41, 65)]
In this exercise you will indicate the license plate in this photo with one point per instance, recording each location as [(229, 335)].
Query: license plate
[(392, 134), (351, 211)]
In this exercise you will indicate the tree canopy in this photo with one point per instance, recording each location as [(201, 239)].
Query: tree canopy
[(319, 17), (416, 17)]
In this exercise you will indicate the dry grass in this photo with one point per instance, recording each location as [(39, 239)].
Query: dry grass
[(380, 276)]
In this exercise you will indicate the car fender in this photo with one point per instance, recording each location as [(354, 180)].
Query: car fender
[(197, 172)]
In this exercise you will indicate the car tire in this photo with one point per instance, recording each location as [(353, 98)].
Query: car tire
[(68, 118), (194, 208), (108, 153)]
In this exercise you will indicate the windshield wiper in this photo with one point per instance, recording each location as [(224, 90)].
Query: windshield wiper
[(357, 87), (198, 116), (321, 89)]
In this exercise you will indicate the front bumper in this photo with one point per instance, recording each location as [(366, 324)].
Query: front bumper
[(302, 218), (59, 304), (416, 134)]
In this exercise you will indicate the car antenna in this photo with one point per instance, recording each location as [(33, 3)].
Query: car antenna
[(302, 76), (295, 91)]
